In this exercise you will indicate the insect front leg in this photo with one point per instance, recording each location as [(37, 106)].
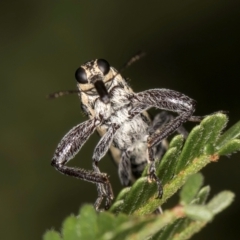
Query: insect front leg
[(167, 100), (70, 145), (104, 189)]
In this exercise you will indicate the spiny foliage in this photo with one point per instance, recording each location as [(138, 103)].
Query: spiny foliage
[(130, 217)]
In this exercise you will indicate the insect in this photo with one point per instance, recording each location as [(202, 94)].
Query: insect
[(126, 129)]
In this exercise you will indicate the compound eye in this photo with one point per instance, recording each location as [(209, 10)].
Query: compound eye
[(81, 76), (103, 66)]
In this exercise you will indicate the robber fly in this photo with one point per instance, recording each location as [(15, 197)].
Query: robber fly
[(120, 117)]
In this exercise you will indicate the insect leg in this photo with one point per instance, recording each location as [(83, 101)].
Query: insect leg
[(124, 170), (70, 145), (200, 118), (167, 100), (104, 189), (163, 118)]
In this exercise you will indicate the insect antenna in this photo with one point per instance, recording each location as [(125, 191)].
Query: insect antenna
[(61, 93), (133, 59)]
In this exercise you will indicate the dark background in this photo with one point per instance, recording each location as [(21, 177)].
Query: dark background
[(192, 47)]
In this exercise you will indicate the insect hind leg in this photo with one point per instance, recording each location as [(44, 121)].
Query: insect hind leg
[(124, 170), (155, 138), (162, 119)]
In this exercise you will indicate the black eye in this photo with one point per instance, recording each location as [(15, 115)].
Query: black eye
[(81, 76), (103, 66)]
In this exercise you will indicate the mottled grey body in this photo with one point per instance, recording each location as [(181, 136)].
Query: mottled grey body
[(120, 117), (131, 137)]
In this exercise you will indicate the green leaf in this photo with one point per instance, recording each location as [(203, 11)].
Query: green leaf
[(171, 229), (197, 212), (192, 228), (202, 195), (191, 188), (221, 201), (204, 134), (213, 126), (230, 147), (177, 142), (138, 195), (123, 229), (87, 223), (105, 222), (180, 225), (128, 229), (157, 224), (52, 235), (191, 148), (117, 206), (123, 193), (216, 205), (69, 228), (167, 166), (231, 133)]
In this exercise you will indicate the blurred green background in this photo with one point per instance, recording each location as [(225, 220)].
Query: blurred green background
[(192, 47)]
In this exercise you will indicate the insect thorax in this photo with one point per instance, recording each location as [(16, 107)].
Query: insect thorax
[(131, 137)]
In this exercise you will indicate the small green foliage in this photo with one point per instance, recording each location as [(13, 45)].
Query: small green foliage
[(69, 228), (232, 146), (130, 216), (52, 235), (191, 148), (177, 142), (191, 188), (202, 195), (221, 201), (197, 212), (231, 133), (122, 194), (87, 223)]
